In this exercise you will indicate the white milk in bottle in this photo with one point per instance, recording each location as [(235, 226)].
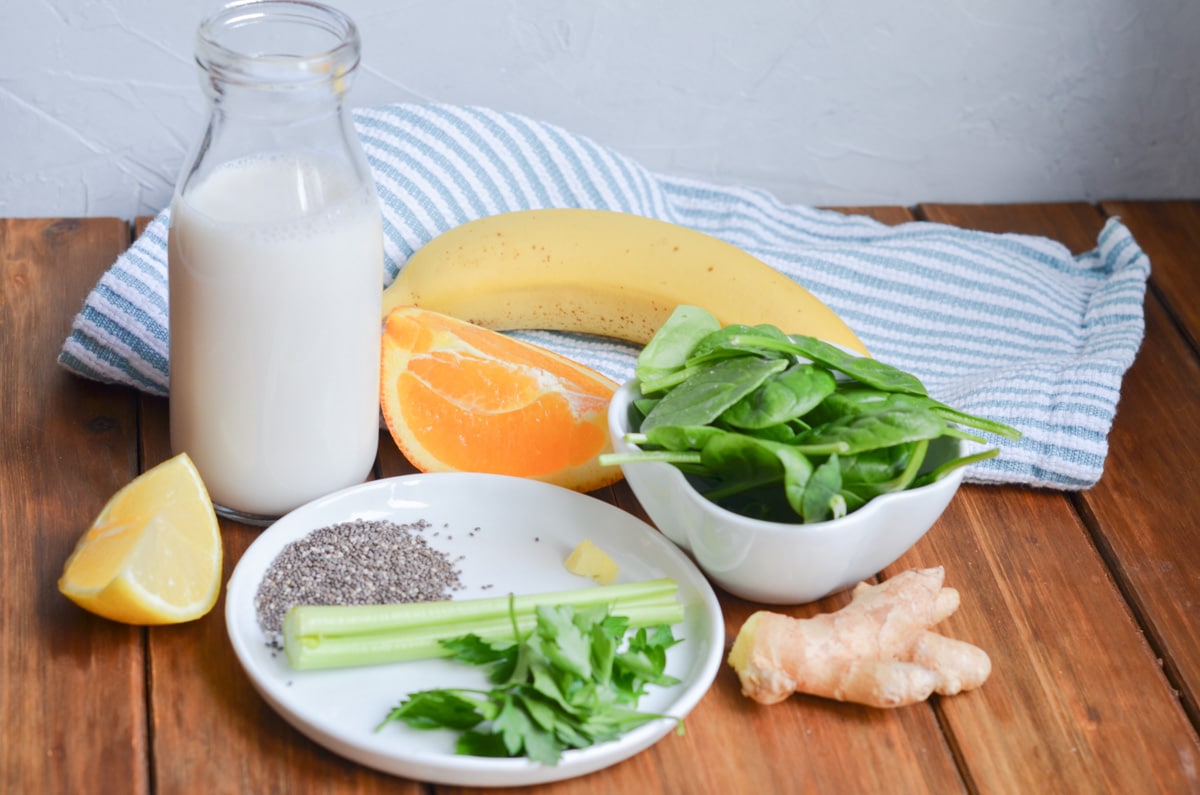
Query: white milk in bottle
[(275, 404), (275, 266)]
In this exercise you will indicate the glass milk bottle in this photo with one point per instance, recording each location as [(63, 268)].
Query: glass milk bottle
[(275, 266)]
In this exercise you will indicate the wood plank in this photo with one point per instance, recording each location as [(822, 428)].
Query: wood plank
[(1145, 506), (1077, 701), (1168, 231), (71, 684)]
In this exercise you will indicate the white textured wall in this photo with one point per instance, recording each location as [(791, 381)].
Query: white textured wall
[(838, 102)]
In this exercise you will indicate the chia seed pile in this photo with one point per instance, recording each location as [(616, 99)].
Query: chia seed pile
[(353, 563)]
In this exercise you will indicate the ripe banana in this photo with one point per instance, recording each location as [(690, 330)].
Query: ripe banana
[(600, 272)]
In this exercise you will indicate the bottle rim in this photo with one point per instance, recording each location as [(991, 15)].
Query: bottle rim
[(277, 69)]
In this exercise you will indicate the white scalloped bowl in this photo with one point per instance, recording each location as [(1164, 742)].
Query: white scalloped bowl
[(775, 562)]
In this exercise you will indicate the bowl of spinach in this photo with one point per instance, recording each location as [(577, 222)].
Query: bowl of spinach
[(787, 467)]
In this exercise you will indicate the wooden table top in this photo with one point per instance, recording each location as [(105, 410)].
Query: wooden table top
[(1088, 603)]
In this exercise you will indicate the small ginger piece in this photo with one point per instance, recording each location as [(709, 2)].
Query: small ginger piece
[(878, 650), (589, 560)]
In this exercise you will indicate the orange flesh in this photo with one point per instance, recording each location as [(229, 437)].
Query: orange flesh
[(463, 398)]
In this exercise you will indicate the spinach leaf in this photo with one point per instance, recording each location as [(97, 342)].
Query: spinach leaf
[(740, 462), (728, 341), (904, 465), (822, 498), (858, 399), (876, 466), (945, 469), (857, 433), (797, 473), (766, 502), (785, 432), (678, 437), (783, 397), (702, 398), (864, 369), (672, 344)]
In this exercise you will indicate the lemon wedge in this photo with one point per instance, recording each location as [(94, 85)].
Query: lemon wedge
[(153, 555)]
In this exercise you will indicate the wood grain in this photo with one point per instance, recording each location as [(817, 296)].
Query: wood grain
[(1077, 701), (71, 684), (1145, 508)]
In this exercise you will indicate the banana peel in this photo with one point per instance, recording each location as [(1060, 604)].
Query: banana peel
[(601, 272)]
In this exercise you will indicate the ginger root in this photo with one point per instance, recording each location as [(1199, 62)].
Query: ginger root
[(878, 650)]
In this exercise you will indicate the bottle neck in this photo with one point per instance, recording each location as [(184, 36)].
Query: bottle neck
[(276, 61), (232, 102)]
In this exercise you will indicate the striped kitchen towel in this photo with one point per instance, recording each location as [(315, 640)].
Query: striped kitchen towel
[(1009, 326)]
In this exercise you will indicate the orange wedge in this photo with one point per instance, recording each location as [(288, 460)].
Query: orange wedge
[(457, 397)]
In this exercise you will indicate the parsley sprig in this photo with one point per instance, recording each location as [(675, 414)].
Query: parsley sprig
[(573, 681)]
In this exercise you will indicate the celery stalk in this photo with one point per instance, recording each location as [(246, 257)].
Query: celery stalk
[(342, 636)]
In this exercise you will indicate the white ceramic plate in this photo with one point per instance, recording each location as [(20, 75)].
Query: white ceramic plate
[(526, 530)]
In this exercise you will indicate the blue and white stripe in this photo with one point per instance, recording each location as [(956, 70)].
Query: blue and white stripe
[(1010, 326)]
